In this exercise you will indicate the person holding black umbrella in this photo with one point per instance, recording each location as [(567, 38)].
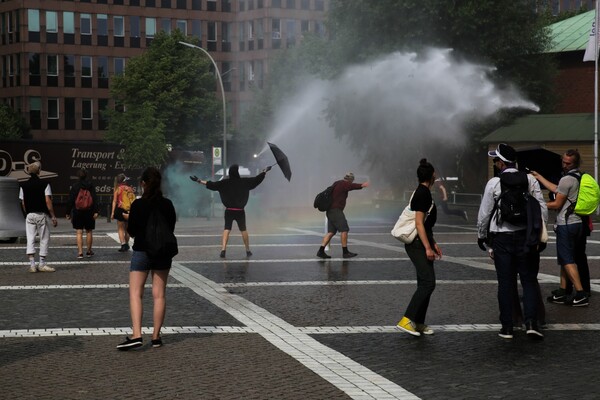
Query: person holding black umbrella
[(234, 193)]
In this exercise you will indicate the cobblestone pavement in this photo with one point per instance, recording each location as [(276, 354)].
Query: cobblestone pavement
[(284, 324)]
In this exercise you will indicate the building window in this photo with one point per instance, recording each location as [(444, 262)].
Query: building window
[(226, 5), (86, 71), (68, 27), (86, 24), (150, 27), (69, 68), (291, 4), (276, 3), (70, 119), (250, 5), (242, 5), (119, 66), (102, 119), (197, 29), (305, 4), (68, 22), (134, 26), (211, 5), (102, 29), (53, 108), (52, 65), (150, 3), (52, 121), (33, 20), (165, 25), (319, 5), (134, 31), (51, 22), (320, 28), (87, 109), (34, 69), (102, 24), (33, 25), (86, 66), (182, 26), (135, 3), (87, 113), (259, 4), (165, 3), (35, 112), (275, 28), (196, 4), (119, 28), (181, 4), (102, 70)]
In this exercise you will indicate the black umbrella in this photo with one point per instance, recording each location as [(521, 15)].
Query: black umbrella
[(282, 160), (545, 162)]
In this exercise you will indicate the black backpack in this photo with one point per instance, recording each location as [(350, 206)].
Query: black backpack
[(161, 243), (512, 202), (324, 199)]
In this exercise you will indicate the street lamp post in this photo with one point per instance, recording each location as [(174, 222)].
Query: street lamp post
[(224, 103)]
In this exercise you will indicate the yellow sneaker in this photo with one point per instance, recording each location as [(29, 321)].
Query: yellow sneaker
[(408, 326), (424, 329)]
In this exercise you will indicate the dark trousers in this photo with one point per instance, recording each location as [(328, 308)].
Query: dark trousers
[(417, 308), (534, 260), (582, 264), (512, 258)]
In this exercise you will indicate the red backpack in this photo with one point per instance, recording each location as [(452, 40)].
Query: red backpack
[(84, 200)]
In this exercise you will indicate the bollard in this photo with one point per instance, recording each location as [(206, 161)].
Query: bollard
[(108, 212)]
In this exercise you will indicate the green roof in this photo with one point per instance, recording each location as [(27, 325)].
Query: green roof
[(571, 34), (546, 128)]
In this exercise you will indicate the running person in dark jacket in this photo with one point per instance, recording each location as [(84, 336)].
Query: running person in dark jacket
[(234, 193)]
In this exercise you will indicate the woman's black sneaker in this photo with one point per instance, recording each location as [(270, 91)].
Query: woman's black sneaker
[(129, 344), (157, 342), (506, 332)]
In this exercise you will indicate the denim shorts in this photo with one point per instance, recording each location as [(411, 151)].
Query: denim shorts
[(142, 263), (566, 237)]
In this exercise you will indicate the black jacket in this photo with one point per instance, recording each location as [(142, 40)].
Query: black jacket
[(235, 191), (138, 218)]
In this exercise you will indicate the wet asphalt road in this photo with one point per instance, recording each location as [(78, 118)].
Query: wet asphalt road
[(284, 324)]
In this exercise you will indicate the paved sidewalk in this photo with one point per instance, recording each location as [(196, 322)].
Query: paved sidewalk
[(283, 324)]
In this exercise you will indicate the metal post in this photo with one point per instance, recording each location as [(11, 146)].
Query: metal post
[(224, 102)]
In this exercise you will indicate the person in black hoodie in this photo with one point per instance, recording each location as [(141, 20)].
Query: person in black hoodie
[(234, 193), (85, 218)]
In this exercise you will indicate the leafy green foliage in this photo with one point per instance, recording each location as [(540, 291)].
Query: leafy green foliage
[(12, 124), (172, 88)]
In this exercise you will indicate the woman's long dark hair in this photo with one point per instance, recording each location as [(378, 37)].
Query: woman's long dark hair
[(425, 171), (152, 179)]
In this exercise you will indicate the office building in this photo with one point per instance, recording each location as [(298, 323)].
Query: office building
[(57, 56)]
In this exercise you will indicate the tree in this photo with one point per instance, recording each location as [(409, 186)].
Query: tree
[(12, 124), (172, 88), (506, 34)]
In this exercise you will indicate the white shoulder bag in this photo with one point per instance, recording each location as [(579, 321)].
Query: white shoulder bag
[(405, 229)]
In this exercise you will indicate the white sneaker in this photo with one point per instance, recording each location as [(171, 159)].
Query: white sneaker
[(46, 268), (33, 268)]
